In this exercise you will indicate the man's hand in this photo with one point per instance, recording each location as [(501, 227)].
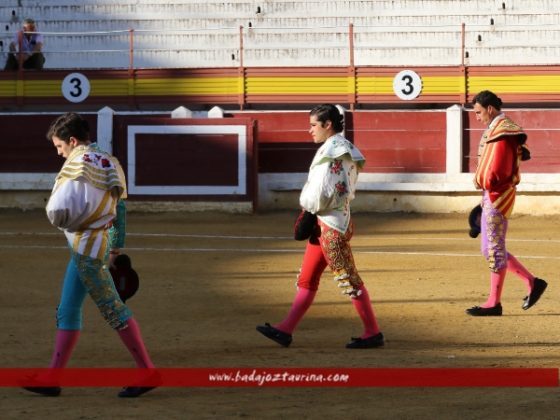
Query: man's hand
[(113, 253)]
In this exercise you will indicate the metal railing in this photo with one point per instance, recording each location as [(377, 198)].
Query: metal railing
[(341, 45)]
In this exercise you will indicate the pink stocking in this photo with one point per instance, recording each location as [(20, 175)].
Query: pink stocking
[(496, 286), (132, 339), (364, 308), (65, 342), (302, 302), (514, 266)]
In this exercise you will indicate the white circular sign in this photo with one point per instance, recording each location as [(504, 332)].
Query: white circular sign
[(75, 87), (407, 85)]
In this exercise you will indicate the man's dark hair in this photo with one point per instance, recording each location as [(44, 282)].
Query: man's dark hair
[(69, 125), (487, 98), (328, 112)]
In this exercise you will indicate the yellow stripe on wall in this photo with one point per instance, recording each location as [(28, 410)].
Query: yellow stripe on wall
[(235, 85), (111, 87), (430, 85), (443, 84), (299, 85), (7, 88), (53, 88), (516, 84), (189, 86), (120, 87), (42, 88)]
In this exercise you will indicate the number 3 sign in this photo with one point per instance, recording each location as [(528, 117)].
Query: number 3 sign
[(75, 87), (407, 85)]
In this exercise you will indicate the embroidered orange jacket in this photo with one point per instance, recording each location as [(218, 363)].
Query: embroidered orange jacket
[(498, 165)]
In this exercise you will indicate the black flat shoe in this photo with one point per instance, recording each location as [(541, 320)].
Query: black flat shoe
[(48, 391), (366, 343), (282, 338), (539, 286), (153, 381), (478, 311), (134, 391)]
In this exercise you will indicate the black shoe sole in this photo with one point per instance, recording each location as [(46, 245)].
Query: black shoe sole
[(275, 335), (47, 391), (367, 343), (134, 391), (478, 311)]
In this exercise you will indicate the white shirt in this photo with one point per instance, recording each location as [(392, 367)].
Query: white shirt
[(28, 44), (331, 183), (84, 199)]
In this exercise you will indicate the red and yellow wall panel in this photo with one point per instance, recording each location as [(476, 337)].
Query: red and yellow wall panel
[(354, 86), (516, 84), (439, 85)]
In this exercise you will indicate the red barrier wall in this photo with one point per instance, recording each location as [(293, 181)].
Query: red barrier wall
[(401, 141), (24, 146), (392, 142)]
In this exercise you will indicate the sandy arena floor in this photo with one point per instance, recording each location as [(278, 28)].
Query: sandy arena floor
[(208, 279)]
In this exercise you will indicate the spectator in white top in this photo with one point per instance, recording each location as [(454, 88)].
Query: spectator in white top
[(28, 43)]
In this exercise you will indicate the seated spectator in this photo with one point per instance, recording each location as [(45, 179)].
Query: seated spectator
[(29, 43)]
